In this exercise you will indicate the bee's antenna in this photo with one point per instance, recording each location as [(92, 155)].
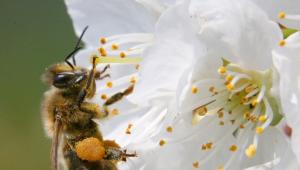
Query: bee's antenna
[(70, 55), (78, 43)]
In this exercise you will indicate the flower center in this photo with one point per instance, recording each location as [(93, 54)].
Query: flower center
[(240, 98)]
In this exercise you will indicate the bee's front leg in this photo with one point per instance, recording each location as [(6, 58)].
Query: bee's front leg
[(117, 97)]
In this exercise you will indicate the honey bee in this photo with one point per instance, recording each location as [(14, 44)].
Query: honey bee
[(77, 142)]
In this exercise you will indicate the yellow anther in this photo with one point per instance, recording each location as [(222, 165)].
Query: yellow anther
[(233, 148), (209, 145), (137, 66), (229, 78), (114, 47), (247, 115), (254, 102), (196, 164), (122, 54), (162, 142), (249, 89), (250, 151), (201, 111), (133, 80), (194, 90), (230, 86), (222, 70), (220, 168), (169, 129), (212, 89), (259, 130), (115, 112), (262, 118), (242, 126), (282, 43), (109, 84), (128, 130), (203, 147), (220, 114), (103, 96), (281, 15), (102, 51), (103, 40)]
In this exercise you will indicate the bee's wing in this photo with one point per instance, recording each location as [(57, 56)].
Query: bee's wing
[(55, 142)]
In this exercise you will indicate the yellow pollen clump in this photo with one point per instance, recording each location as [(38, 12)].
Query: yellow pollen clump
[(169, 129), (115, 112), (196, 164), (282, 43), (103, 96), (90, 149), (229, 78), (229, 86), (220, 168), (122, 54), (203, 147), (162, 143), (281, 15), (233, 148), (242, 126), (250, 151), (109, 84), (137, 66), (114, 47), (103, 40), (128, 130), (194, 90), (222, 70), (262, 118), (259, 130), (133, 80)]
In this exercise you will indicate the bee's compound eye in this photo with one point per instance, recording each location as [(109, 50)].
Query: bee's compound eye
[(63, 80), (90, 149)]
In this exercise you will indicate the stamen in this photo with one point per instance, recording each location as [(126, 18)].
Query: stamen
[(103, 96), (250, 151), (162, 142), (103, 40), (283, 15), (282, 43), (233, 148), (128, 130), (115, 112), (196, 164), (114, 47), (169, 129), (262, 118), (220, 168), (259, 130), (222, 70), (122, 54), (109, 84), (194, 90)]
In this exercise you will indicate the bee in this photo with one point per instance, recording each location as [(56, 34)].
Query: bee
[(67, 116)]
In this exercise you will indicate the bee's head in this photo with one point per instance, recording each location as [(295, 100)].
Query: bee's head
[(62, 76)]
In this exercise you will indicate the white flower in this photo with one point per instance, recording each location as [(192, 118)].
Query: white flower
[(206, 113), (287, 61)]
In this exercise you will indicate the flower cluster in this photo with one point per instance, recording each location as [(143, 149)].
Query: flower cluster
[(218, 81)]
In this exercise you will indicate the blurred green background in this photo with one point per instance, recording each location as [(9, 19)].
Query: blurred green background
[(33, 35)]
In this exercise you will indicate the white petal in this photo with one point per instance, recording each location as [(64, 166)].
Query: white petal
[(287, 61), (238, 31), (172, 53), (106, 18)]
